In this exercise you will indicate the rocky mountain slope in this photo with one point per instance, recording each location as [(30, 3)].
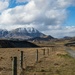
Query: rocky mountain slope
[(23, 33)]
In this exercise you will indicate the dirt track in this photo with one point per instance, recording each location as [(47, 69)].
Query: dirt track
[(71, 52)]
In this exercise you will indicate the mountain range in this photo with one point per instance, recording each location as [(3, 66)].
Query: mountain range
[(23, 33)]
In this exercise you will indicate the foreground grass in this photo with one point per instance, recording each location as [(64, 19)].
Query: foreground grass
[(58, 62)]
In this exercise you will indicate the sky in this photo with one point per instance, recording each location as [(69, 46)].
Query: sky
[(52, 17)]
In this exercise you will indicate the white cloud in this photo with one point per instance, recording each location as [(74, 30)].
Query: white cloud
[(61, 31), (3, 4), (45, 15), (20, 1), (37, 12)]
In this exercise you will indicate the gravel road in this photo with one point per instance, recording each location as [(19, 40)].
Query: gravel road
[(70, 51)]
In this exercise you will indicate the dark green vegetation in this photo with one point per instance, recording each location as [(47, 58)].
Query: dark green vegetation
[(70, 44), (15, 44)]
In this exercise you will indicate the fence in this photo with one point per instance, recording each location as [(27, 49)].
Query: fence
[(22, 61)]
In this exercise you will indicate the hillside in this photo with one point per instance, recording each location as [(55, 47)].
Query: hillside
[(16, 44), (44, 38)]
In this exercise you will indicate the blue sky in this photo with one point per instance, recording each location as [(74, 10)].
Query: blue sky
[(71, 16), (13, 3), (48, 16)]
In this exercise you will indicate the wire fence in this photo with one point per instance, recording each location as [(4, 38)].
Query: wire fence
[(22, 61)]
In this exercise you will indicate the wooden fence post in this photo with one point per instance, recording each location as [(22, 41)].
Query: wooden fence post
[(14, 66), (21, 59), (36, 55), (43, 51)]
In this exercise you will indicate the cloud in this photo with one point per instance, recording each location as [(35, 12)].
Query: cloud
[(36, 12), (61, 31), (45, 15), (21, 1), (3, 4)]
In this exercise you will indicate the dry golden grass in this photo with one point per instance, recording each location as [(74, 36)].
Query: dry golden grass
[(58, 62), (72, 47)]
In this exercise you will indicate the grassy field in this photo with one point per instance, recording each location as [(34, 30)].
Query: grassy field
[(55, 61), (73, 48)]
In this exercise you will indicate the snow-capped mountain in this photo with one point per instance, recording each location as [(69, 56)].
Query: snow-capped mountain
[(24, 33), (3, 33), (21, 33)]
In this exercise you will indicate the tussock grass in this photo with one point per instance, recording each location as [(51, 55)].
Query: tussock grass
[(58, 62)]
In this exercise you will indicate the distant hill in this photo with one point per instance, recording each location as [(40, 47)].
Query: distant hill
[(44, 38), (15, 44), (24, 33)]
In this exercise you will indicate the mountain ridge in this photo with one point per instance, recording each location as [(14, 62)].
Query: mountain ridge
[(22, 33)]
